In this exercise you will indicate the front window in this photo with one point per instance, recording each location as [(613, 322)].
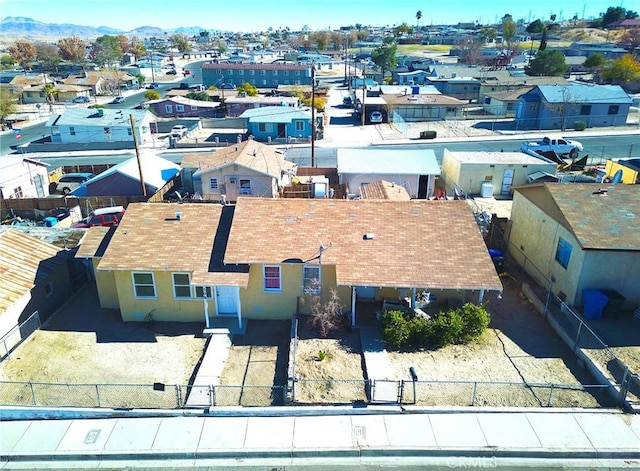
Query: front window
[(563, 252), (213, 184), (181, 285), (144, 285), (72, 131), (252, 72), (613, 109), (262, 127), (311, 279), (272, 278), (17, 192), (585, 110), (180, 108), (201, 291), (245, 187), (299, 126)]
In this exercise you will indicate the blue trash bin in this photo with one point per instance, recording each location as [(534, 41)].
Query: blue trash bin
[(594, 301)]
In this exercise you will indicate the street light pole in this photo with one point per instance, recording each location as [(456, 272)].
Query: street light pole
[(313, 115)]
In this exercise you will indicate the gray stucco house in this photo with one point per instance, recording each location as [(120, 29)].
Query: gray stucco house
[(258, 75)]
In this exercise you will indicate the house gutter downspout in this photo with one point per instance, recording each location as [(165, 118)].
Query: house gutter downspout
[(481, 296), (353, 306), (206, 309), (239, 309)]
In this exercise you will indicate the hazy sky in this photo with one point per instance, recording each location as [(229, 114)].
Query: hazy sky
[(257, 15)]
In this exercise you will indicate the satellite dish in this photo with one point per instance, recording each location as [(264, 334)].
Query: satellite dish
[(617, 177)]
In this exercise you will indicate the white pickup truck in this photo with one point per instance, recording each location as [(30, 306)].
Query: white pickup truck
[(559, 145)]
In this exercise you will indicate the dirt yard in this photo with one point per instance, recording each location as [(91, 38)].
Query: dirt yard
[(86, 344), (518, 347)]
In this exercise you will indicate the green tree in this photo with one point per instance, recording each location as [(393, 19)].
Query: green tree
[(418, 18), (23, 52), (247, 88), (137, 48), (508, 29), (48, 55), (50, 92), (141, 78), (72, 49), (488, 34), (613, 14), (180, 42), (547, 63), (151, 95), (623, 70), (318, 103), (385, 56), (6, 61), (542, 28), (594, 64), (402, 29), (7, 105), (106, 50), (200, 96)]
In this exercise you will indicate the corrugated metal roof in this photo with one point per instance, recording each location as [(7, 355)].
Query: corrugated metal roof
[(276, 114), (91, 117), (24, 260), (155, 170), (584, 93)]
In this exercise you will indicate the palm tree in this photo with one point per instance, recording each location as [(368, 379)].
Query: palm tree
[(418, 16), (50, 91)]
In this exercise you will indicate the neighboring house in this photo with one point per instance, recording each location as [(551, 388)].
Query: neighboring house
[(503, 103), (258, 75), (414, 169), (281, 123), (237, 105), (63, 93), (85, 125), (415, 77), (462, 88), (181, 107), (21, 177), (124, 179), (248, 168), (103, 82), (490, 173), (411, 108), (560, 106), (580, 236), (172, 275), (587, 49), (35, 277)]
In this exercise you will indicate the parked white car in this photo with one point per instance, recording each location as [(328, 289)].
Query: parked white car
[(178, 131)]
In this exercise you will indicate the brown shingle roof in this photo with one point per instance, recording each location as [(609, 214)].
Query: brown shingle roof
[(91, 244), (250, 154), (608, 221), (384, 190), (150, 238), (418, 243)]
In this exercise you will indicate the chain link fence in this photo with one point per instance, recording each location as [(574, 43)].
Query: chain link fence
[(18, 334)]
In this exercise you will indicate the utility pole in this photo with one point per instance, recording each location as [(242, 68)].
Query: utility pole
[(346, 59), (364, 88), (135, 143), (313, 115)]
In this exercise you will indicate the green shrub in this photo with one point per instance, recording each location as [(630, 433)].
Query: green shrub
[(475, 320), (395, 328), (447, 328), (579, 125), (420, 331)]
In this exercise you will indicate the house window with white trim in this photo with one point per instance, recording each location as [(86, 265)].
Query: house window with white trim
[(311, 279), (245, 187), (17, 192), (252, 72), (144, 285), (213, 184), (180, 108), (299, 125), (72, 131), (194, 108), (272, 282), (201, 291), (263, 72), (168, 108), (262, 127), (181, 285), (241, 72)]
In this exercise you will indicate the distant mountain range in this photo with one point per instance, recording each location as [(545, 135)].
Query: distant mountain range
[(21, 27)]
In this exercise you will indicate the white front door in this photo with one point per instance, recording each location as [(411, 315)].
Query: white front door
[(227, 300)]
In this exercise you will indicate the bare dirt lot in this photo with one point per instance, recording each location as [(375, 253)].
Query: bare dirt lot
[(86, 344), (518, 347)]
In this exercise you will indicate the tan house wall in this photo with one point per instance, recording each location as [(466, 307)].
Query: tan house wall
[(261, 185), (610, 269), (106, 284)]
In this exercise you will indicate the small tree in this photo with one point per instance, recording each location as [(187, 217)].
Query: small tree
[(151, 95), (247, 88), (23, 52), (319, 103), (547, 63), (385, 55), (7, 105), (325, 309), (622, 70), (200, 96), (49, 90), (72, 49)]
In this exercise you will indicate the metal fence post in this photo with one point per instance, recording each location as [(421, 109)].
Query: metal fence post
[(624, 385), (179, 402), (575, 345), (550, 396), (473, 397), (212, 394), (98, 395), (33, 394)]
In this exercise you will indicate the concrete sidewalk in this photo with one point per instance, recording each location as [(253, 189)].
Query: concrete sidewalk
[(357, 437)]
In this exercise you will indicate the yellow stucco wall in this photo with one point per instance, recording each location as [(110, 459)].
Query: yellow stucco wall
[(106, 284), (167, 308), (629, 176)]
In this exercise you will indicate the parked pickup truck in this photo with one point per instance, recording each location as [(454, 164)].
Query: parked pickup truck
[(559, 145)]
